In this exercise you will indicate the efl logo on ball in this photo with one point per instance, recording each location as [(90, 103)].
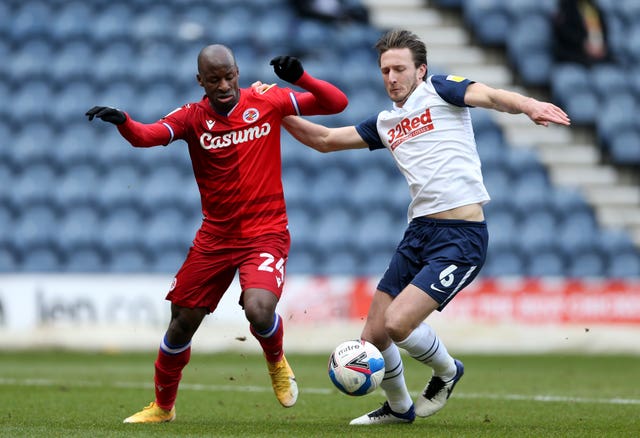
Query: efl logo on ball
[(356, 367)]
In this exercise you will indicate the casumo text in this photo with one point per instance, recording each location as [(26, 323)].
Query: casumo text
[(209, 141)]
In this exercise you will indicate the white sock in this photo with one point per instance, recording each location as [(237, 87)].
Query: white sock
[(393, 382), (424, 345)]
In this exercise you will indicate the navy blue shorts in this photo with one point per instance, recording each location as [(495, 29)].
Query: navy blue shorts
[(439, 256)]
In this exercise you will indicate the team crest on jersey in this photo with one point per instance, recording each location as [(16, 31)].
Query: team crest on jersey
[(210, 124), (250, 115)]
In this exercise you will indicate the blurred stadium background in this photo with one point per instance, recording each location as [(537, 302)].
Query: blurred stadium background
[(75, 198)]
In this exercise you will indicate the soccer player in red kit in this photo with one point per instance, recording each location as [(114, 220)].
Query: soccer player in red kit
[(233, 136)]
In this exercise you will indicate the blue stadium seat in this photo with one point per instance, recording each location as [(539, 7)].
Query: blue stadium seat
[(72, 102), (77, 146), (129, 260), (158, 100), (567, 79), (615, 241), (339, 261), (374, 263), (41, 258), (35, 184), (168, 229), (28, 19), (154, 65), (167, 187), (168, 260), (334, 228), (115, 63), (74, 20), (529, 48), (489, 19), (378, 232), (36, 225), (85, 259), (121, 186), (521, 9), (632, 43), (535, 233), (624, 147), (624, 265), (121, 95), (331, 188), (296, 183), (122, 228), (566, 201), (271, 30), (70, 63), (609, 79), (530, 193), (9, 258), (7, 213), (571, 88), (27, 101), (504, 262), (231, 26), (503, 228), (79, 227), (587, 264), (577, 233), (114, 25), (302, 261), (549, 263), (369, 189), (77, 186), (491, 148), (156, 24), (498, 183), (34, 144), (395, 196), (31, 61), (617, 113)]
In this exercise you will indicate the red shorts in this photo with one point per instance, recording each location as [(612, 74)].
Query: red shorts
[(205, 276)]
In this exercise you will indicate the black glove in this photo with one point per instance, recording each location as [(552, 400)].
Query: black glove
[(108, 114), (287, 68)]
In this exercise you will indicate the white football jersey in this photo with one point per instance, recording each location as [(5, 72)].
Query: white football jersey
[(431, 139)]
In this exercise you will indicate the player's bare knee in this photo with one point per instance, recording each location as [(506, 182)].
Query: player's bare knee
[(260, 317), (396, 328)]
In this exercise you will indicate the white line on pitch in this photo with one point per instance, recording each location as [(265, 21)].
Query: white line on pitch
[(323, 391)]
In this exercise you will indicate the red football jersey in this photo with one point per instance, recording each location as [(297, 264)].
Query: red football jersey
[(237, 160)]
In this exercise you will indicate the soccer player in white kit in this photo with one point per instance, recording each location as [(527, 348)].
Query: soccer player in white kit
[(430, 136)]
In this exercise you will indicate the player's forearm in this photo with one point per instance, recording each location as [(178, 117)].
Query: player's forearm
[(308, 133), (144, 135), (509, 101), (328, 98)]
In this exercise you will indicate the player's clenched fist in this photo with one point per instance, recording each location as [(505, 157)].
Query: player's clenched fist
[(288, 68), (108, 114)]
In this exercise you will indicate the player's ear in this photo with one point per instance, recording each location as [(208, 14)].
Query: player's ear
[(199, 79), (422, 72)]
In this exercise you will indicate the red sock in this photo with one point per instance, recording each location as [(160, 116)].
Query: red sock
[(271, 339), (169, 365)]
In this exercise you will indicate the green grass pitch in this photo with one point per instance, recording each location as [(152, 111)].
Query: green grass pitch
[(67, 394)]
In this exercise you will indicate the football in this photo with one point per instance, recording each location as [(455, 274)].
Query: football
[(356, 367)]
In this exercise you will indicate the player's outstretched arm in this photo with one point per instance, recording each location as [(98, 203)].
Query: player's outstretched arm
[(138, 134), (323, 97), (541, 113), (322, 138)]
